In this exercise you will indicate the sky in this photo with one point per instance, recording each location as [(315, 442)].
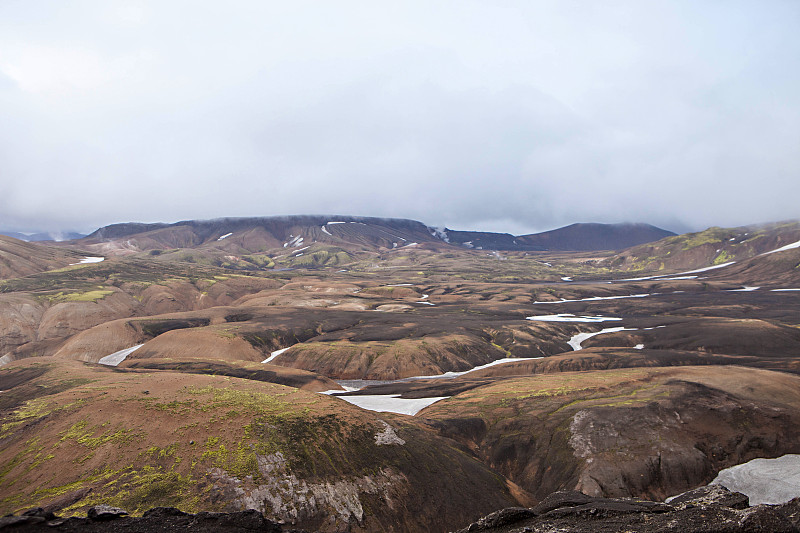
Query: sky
[(511, 116)]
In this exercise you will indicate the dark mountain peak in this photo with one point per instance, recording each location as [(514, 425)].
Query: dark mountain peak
[(594, 236), (116, 231)]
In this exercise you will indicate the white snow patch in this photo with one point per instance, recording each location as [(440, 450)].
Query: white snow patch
[(392, 403), (677, 278), (576, 340), (300, 250), (568, 317), (745, 289), (448, 375), (401, 285), (566, 278), (296, 241), (225, 236), (596, 298), (770, 481), (679, 274), (412, 243), (784, 290), (784, 248), (325, 230), (639, 347), (425, 303), (335, 222), (87, 260), (706, 269), (117, 357), (275, 354)]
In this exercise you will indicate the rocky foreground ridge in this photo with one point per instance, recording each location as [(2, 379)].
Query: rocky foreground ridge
[(712, 508)]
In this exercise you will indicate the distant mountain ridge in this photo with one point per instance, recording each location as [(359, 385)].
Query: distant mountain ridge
[(283, 231), (57, 236), (586, 237)]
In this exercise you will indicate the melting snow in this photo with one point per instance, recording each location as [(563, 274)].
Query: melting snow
[(325, 230), (675, 276), (566, 278), (745, 289), (335, 222), (392, 403), (576, 340), (639, 347), (117, 357), (449, 375), (706, 269), (296, 241), (274, 354), (595, 298), (567, 317), (770, 481), (784, 290), (225, 236), (784, 248), (87, 260)]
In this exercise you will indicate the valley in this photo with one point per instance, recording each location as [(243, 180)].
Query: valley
[(340, 373)]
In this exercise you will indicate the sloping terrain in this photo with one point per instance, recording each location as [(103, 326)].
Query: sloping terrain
[(626, 432), (714, 246), (507, 373), (19, 258), (75, 435)]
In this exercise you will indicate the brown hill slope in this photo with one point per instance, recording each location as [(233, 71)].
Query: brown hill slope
[(714, 246), (627, 432), (78, 434), (19, 258)]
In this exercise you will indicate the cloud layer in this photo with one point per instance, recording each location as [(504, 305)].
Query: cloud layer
[(509, 116)]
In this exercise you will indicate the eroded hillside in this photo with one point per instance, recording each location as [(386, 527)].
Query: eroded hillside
[(188, 369)]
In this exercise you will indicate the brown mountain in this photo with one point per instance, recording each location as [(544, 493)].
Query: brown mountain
[(253, 235), (19, 258)]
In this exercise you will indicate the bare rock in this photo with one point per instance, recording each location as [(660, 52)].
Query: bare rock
[(105, 512), (499, 518), (712, 494)]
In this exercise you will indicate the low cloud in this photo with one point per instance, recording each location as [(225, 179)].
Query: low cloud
[(516, 118)]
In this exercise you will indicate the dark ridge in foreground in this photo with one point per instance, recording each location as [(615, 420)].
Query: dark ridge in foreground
[(160, 519), (712, 508)]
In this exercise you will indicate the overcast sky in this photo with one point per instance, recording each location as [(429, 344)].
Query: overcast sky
[(513, 116)]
